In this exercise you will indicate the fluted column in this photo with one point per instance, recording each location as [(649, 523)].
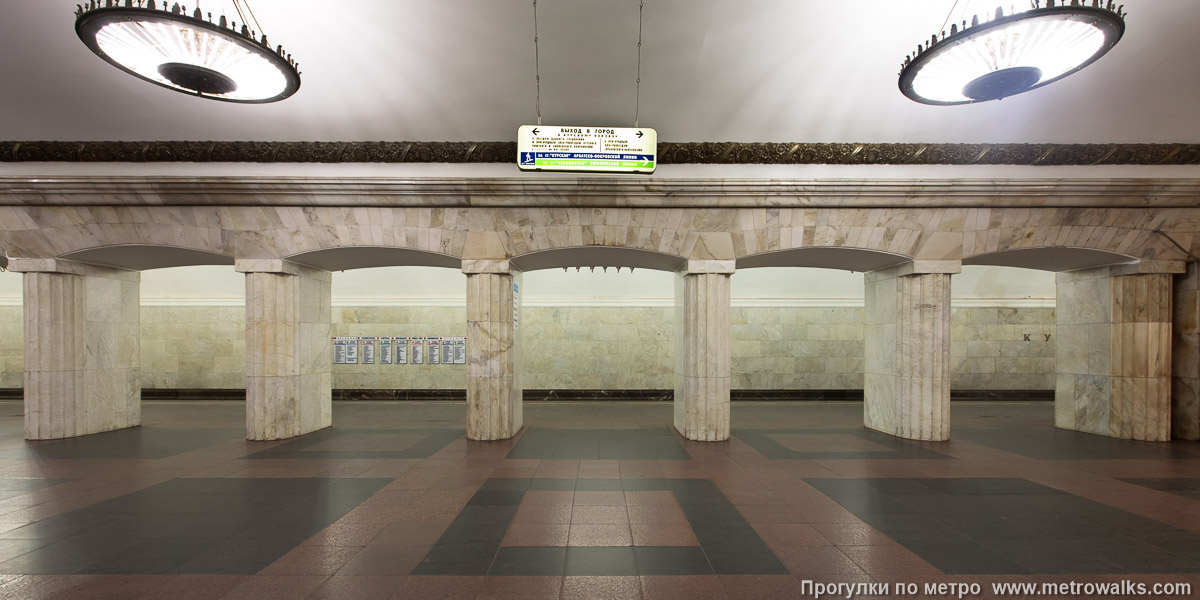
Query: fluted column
[(702, 349), (494, 406), (288, 359), (1185, 356), (1113, 352), (907, 350), (82, 348)]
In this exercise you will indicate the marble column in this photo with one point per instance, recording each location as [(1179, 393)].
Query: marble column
[(702, 349), (494, 406), (82, 348), (907, 350), (288, 356), (1113, 353), (1185, 356)]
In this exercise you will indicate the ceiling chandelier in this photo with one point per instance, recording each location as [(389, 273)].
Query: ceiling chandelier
[(1011, 54), (189, 54)]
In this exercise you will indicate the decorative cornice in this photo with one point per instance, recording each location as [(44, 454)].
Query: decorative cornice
[(606, 191), (702, 153)]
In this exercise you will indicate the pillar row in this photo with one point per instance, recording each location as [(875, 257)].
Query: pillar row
[(1113, 353), (907, 350), (702, 349), (1185, 356), (494, 405), (288, 363), (82, 348)]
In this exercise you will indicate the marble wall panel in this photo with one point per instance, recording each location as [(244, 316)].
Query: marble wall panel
[(288, 375), (907, 354), (494, 404), (702, 355), (1114, 343), (1185, 355), (81, 355)]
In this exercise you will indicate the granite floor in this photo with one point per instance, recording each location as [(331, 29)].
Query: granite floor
[(592, 500)]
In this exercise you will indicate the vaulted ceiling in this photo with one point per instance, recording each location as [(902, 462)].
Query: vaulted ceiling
[(712, 70)]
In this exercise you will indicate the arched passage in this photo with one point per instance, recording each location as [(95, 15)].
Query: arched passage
[(83, 355), (1051, 258), (859, 260), (366, 257), (1112, 338)]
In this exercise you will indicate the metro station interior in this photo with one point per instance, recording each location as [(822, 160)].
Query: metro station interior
[(844, 336)]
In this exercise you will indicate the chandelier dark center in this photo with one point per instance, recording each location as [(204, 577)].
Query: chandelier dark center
[(1002, 83), (196, 78)]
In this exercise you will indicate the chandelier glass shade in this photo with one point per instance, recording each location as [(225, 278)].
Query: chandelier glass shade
[(185, 53), (1010, 54)]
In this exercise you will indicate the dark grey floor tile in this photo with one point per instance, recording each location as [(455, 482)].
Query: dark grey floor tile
[(598, 485), (965, 558), (496, 498), (600, 561), (505, 485), (598, 444), (677, 560), (534, 560), (548, 484), (458, 559), (1050, 557)]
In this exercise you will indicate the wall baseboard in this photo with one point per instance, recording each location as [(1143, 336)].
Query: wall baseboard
[(460, 395)]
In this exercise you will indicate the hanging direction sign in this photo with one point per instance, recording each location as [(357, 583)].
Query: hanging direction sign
[(598, 149)]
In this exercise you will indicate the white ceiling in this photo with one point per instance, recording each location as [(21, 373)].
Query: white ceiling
[(713, 70)]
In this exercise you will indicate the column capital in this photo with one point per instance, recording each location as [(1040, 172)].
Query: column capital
[(46, 265), (279, 266), (266, 265), (500, 266), (69, 267), (1144, 267), (697, 267), (920, 267)]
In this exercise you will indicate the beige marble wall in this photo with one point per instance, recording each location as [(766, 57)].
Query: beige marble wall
[(1113, 353), (494, 404), (288, 377), (591, 347), (12, 352), (193, 347), (1185, 356), (907, 353), (1002, 348), (81, 349), (407, 321), (702, 359)]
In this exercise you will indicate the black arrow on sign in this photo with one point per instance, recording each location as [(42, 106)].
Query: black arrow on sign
[(535, 131), (639, 133)]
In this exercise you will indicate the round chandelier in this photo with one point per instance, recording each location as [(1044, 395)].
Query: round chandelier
[(1011, 54), (188, 54)]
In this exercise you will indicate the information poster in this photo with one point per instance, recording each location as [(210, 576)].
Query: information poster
[(459, 346), (339, 350), (516, 307), (447, 351), (433, 350), (351, 350), (385, 351), (418, 350), (368, 350), (400, 345)]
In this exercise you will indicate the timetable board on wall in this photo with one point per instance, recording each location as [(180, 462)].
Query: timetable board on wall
[(389, 350)]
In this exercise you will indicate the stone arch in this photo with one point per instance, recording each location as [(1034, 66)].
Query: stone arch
[(598, 256), (363, 257), (143, 257), (825, 257), (1051, 258)]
